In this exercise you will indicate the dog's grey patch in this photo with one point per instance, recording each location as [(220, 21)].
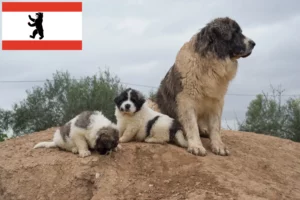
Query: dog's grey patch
[(65, 131), (83, 120), (165, 97), (150, 125)]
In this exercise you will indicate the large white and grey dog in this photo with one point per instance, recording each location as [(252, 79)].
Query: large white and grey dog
[(88, 130), (137, 121)]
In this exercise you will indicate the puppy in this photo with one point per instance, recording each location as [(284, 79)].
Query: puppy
[(88, 130), (137, 121)]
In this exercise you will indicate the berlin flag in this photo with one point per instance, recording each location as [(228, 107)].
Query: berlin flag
[(41, 25)]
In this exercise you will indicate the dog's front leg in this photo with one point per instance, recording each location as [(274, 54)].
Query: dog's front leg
[(82, 146), (128, 134), (187, 118), (214, 129)]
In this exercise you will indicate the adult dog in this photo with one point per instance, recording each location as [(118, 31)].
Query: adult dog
[(136, 121), (193, 90), (88, 130)]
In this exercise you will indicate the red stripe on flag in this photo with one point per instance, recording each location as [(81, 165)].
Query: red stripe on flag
[(41, 6), (42, 45)]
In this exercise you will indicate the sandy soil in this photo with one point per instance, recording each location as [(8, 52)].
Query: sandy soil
[(259, 167)]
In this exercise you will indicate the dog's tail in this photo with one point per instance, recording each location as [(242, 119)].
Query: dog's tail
[(45, 145), (177, 135), (180, 139)]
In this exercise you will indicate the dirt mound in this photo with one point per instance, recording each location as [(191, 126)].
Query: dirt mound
[(259, 167)]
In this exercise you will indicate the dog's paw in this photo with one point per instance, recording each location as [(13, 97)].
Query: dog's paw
[(74, 150), (84, 153), (119, 147), (197, 150), (219, 148), (122, 140)]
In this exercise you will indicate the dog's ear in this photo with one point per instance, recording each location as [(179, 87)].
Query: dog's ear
[(222, 31), (141, 97), (223, 28), (203, 39), (117, 99)]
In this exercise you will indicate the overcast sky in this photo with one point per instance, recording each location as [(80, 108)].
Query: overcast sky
[(139, 39)]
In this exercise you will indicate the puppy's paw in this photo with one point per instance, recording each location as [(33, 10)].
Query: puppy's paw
[(74, 150), (219, 148), (119, 147), (84, 153), (122, 140), (197, 149)]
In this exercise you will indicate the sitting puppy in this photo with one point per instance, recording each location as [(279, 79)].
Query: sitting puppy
[(137, 121), (88, 130)]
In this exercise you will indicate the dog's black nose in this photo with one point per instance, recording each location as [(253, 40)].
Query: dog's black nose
[(127, 106), (252, 43)]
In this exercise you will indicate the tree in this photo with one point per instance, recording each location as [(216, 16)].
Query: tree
[(63, 98), (5, 120), (268, 115), (293, 115), (152, 95), (2, 137)]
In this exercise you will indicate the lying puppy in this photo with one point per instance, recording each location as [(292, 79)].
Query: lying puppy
[(137, 121), (88, 130)]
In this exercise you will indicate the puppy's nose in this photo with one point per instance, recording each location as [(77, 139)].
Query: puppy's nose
[(127, 106), (252, 43)]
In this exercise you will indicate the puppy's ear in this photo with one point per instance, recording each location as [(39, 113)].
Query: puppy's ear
[(141, 97), (117, 99)]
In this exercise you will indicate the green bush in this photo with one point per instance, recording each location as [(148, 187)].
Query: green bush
[(61, 99), (267, 114)]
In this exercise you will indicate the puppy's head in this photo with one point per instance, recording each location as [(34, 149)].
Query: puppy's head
[(224, 38), (130, 101), (107, 139)]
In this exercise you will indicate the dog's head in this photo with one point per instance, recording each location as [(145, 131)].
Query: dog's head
[(107, 139), (224, 38), (39, 15), (130, 101)]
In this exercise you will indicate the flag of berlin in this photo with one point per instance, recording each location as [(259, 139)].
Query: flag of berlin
[(41, 25)]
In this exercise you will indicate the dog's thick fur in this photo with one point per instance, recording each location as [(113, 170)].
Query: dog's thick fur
[(193, 90), (138, 122), (88, 130)]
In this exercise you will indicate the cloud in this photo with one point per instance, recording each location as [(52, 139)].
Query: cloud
[(133, 25)]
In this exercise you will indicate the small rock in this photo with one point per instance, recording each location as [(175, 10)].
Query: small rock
[(97, 175), (85, 161), (150, 185), (166, 181)]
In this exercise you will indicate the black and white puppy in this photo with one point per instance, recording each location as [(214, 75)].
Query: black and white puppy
[(88, 130), (137, 121)]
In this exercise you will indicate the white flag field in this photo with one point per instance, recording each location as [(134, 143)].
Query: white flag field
[(41, 25)]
